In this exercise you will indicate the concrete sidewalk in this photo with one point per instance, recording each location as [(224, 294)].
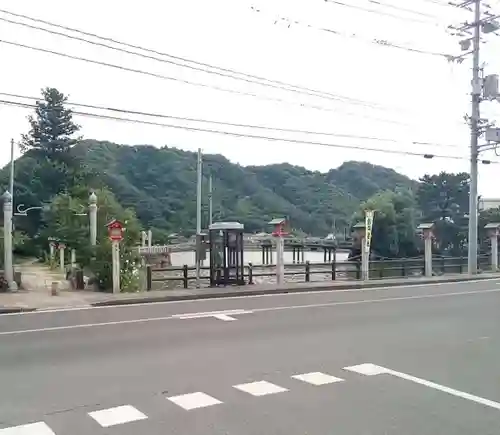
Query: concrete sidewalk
[(42, 300)]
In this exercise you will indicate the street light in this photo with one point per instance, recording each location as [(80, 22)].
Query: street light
[(21, 212)]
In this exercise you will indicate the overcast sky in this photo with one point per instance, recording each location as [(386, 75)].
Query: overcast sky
[(399, 95)]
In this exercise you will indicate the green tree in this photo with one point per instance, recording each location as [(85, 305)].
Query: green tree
[(49, 165), (160, 185), (444, 200), (394, 223), (50, 142), (64, 221), (52, 127)]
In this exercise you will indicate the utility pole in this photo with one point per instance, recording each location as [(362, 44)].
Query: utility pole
[(475, 117), (210, 203), (198, 217), (474, 139), (11, 183)]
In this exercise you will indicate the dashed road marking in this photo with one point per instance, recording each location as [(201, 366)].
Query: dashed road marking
[(372, 369), (194, 400), (317, 378), (260, 388), (273, 295), (366, 369), (226, 315), (118, 415), (255, 310), (39, 428)]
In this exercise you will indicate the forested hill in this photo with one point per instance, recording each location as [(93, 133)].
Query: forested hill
[(160, 184)]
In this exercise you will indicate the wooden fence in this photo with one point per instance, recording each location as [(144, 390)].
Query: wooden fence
[(345, 270)]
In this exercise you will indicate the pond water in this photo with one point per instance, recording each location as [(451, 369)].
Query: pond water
[(255, 257)]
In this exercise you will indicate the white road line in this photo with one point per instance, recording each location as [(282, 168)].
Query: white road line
[(193, 301), (373, 301), (372, 369), (260, 388), (260, 310), (317, 378), (221, 315), (85, 325), (39, 428), (224, 317), (194, 400), (118, 415)]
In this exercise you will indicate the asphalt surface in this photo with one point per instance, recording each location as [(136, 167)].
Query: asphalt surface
[(441, 344)]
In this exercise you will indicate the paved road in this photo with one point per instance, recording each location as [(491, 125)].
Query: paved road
[(416, 360)]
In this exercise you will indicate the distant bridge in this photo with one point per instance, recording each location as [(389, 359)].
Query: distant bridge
[(308, 243)]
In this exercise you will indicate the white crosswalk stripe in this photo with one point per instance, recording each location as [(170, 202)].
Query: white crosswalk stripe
[(260, 388), (366, 369), (39, 428), (118, 415), (124, 414), (317, 378), (194, 400)]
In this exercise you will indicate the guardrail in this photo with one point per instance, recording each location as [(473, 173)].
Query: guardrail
[(345, 270)]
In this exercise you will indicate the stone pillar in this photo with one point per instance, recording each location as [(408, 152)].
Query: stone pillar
[(115, 246), (150, 238), (7, 247), (93, 218), (428, 235), (494, 252), (52, 250), (73, 259), (62, 267), (365, 261), (360, 234), (493, 230), (143, 238), (280, 260), (428, 256)]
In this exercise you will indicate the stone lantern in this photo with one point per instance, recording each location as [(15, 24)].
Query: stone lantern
[(428, 232), (493, 230)]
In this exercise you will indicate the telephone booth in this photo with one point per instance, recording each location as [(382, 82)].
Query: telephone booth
[(226, 254)]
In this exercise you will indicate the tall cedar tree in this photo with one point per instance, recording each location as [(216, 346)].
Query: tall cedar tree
[(50, 139), (51, 127)]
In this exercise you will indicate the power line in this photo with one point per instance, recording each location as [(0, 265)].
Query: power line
[(375, 41), (439, 3), (399, 8), (230, 124), (218, 88), (378, 12), (252, 136), (273, 83), (182, 59), (222, 74)]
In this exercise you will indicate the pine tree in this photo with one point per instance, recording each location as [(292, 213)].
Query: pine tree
[(52, 128)]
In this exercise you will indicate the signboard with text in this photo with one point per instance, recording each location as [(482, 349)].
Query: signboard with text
[(368, 228)]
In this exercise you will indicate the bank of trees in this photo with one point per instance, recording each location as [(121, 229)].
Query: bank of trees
[(51, 175), (442, 199), (156, 188)]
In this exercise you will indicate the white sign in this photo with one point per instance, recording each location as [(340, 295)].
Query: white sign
[(368, 230)]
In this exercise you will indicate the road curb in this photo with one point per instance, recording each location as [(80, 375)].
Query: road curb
[(15, 310), (249, 292)]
